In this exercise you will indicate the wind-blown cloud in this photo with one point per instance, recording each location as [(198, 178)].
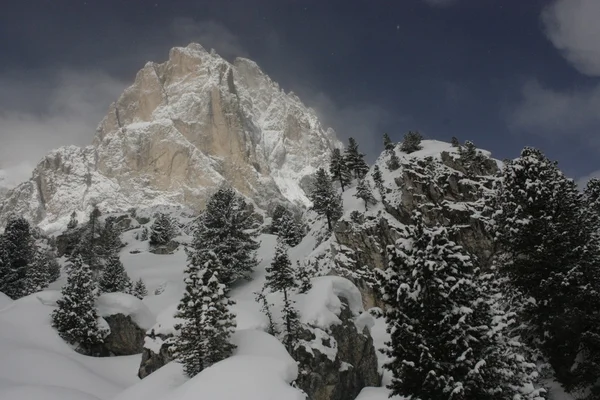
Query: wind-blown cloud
[(572, 26)]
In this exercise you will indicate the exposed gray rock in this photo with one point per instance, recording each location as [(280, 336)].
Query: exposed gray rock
[(152, 361), (168, 248), (125, 338), (354, 367)]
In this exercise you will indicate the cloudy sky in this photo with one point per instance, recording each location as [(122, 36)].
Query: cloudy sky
[(503, 73)]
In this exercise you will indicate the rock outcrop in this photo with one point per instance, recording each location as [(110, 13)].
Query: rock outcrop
[(353, 368), (183, 128), (125, 338), (156, 353)]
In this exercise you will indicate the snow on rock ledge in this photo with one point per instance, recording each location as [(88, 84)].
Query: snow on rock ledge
[(130, 306)]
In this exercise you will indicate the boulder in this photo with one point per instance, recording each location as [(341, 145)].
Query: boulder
[(125, 338)]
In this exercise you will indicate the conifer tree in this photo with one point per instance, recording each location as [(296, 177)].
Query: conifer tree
[(265, 307), (339, 170), (355, 160), (109, 240), (75, 318), (470, 157), (43, 270), (411, 142), (162, 230), (281, 278), (18, 253), (592, 195), (325, 199), (207, 322), (363, 192), (73, 221), (455, 142), (550, 254), (388, 145), (378, 179), (276, 217), (393, 163), (88, 247), (285, 226), (442, 344), (226, 227), (114, 277), (303, 276), (139, 289)]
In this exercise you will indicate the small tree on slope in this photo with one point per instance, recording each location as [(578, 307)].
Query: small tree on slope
[(378, 179), (281, 278), (411, 142), (139, 289), (114, 278), (441, 346), (388, 145), (75, 318), (204, 308), (363, 192), (162, 230), (339, 170), (325, 199), (355, 160), (551, 254), (16, 248), (226, 228)]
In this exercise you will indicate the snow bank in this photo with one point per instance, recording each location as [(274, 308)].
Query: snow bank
[(128, 305), (321, 306), (5, 301), (43, 392), (377, 393)]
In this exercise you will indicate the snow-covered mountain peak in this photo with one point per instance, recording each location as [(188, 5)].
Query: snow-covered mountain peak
[(181, 129)]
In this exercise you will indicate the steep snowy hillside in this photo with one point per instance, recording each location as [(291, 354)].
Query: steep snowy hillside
[(184, 127)]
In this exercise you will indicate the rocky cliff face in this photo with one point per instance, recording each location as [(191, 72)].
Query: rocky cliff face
[(183, 128)]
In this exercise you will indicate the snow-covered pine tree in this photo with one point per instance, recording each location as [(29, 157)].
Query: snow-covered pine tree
[(470, 157), (454, 141), (75, 318), (303, 276), (265, 307), (411, 142), (109, 240), (18, 253), (226, 227), (592, 195), (162, 230), (290, 231), (139, 289), (339, 169), (325, 199), (363, 192), (207, 322), (285, 226), (73, 221), (88, 246), (388, 145), (393, 163), (355, 160), (114, 277), (281, 278), (439, 320), (378, 179), (42, 271), (550, 254)]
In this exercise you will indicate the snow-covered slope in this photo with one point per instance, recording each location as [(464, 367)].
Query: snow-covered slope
[(183, 128)]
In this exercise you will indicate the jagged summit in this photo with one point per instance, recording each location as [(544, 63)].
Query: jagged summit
[(180, 130)]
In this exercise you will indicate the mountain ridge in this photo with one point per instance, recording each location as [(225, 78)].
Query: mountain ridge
[(183, 128)]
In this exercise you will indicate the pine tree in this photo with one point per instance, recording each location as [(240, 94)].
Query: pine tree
[(114, 277), (109, 240), (325, 200), (388, 145), (75, 318), (411, 142), (470, 157), (455, 142), (207, 323), (73, 221), (88, 246), (339, 169), (378, 179), (394, 162), (363, 192), (281, 278), (442, 345), (226, 227), (18, 253), (551, 254), (355, 160), (285, 226), (265, 307), (303, 276), (162, 230), (139, 289), (592, 195), (43, 270)]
